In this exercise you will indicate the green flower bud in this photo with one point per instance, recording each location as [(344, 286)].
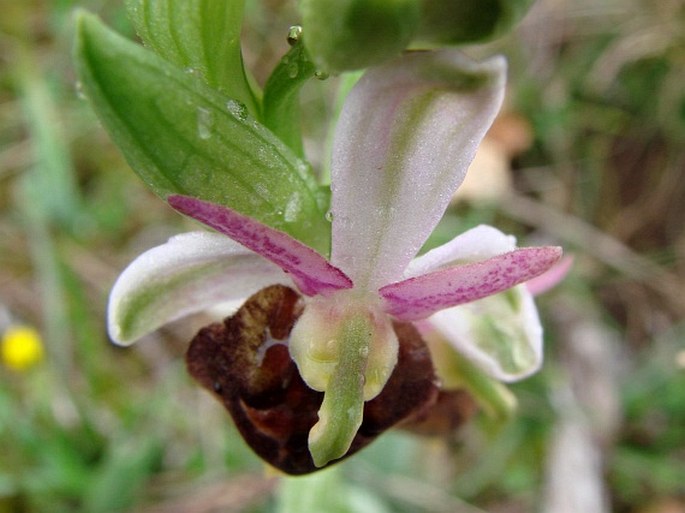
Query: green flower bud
[(464, 21), (343, 35)]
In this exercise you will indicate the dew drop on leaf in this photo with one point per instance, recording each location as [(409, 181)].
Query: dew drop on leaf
[(303, 168), (261, 189), (293, 70), (195, 72), (294, 34), (80, 93), (293, 208), (237, 109), (205, 123)]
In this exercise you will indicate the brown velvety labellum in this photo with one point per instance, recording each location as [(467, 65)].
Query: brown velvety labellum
[(245, 362)]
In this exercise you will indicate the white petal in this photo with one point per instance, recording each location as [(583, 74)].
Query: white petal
[(479, 243), (406, 135), (190, 273), (501, 334)]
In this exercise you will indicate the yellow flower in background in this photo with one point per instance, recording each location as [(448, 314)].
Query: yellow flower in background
[(21, 347)]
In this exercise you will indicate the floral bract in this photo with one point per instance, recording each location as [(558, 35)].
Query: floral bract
[(406, 135)]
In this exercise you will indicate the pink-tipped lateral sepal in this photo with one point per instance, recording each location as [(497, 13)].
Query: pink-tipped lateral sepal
[(421, 296), (311, 272), (552, 277)]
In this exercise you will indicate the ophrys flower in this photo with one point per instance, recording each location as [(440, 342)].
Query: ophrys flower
[(406, 135)]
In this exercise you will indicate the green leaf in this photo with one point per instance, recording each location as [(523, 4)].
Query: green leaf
[(122, 475), (182, 137), (281, 95), (466, 21), (202, 36), (343, 35), (53, 176)]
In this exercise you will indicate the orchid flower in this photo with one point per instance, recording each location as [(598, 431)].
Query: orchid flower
[(406, 135)]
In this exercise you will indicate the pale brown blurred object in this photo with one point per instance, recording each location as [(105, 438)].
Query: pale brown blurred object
[(231, 496), (664, 506), (489, 177)]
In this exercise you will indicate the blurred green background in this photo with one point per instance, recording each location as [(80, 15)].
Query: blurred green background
[(589, 154)]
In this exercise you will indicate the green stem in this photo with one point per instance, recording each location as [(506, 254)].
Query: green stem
[(495, 398)]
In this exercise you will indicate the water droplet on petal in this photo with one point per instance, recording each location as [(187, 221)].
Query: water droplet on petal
[(321, 75), (331, 344), (205, 123), (237, 109)]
